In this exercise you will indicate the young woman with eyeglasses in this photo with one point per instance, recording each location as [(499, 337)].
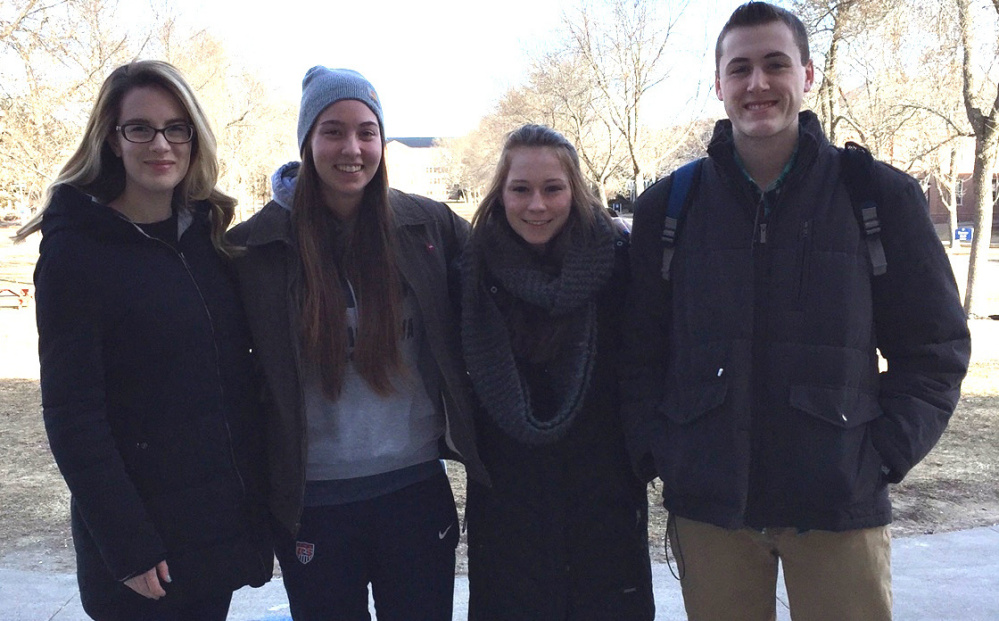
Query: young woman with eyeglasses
[(146, 370)]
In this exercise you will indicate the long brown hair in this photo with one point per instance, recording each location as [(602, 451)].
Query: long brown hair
[(96, 170), (367, 262)]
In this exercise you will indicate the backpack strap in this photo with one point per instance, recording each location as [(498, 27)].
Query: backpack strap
[(858, 176), (683, 180)]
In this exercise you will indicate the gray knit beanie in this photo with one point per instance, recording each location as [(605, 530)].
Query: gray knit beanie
[(323, 87)]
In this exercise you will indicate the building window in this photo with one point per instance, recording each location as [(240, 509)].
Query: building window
[(959, 193)]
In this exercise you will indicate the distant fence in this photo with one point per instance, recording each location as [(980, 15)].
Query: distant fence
[(463, 208)]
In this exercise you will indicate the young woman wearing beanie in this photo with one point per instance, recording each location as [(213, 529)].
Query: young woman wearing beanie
[(146, 372), (562, 531), (345, 285)]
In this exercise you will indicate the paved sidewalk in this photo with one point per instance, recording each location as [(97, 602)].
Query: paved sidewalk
[(945, 577)]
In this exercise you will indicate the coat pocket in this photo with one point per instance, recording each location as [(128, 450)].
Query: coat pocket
[(685, 404), (697, 382), (839, 406), (836, 462), (702, 454)]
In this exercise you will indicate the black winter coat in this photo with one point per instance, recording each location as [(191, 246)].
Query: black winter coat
[(753, 375), (146, 378), (562, 533)]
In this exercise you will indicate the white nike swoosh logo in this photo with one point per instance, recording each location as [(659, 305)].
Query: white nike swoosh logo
[(444, 532)]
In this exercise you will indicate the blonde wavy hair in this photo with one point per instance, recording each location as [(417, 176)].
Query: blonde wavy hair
[(96, 170)]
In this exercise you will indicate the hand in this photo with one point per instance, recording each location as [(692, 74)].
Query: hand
[(148, 584)]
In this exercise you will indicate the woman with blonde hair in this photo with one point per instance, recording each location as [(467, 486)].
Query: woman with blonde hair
[(562, 531), (146, 369)]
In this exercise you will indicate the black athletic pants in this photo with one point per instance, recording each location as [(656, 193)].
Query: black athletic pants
[(401, 543)]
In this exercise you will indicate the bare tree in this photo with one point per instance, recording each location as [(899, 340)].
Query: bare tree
[(55, 56), (948, 186), (943, 130), (679, 145), (833, 25), (558, 93), (623, 44), (255, 131), (907, 104), (564, 92), (471, 159), (983, 114)]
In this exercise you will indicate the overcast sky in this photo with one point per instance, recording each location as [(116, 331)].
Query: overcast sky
[(438, 65)]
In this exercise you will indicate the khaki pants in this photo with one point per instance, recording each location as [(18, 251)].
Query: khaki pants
[(731, 575)]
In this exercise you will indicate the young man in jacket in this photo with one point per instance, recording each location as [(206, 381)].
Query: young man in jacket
[(753, 381)]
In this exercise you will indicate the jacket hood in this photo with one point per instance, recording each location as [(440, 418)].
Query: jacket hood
[(722, 139), (72, 208), (283, 184), (810, 139)]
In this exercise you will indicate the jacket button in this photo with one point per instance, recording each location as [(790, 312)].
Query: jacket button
[(142, 445), (493, 289)]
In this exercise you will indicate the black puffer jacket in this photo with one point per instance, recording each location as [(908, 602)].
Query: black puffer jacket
[(146, 377), (753, 378)]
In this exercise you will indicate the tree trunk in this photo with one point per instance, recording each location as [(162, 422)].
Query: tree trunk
[(829, 95), (639, 180), (984, 124), (602, 192), (982, 180), (951, 200), (952, 225)]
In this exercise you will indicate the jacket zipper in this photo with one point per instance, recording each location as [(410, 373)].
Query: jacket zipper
[(760, 260), (804, 259), (218, 356), (759, 221), (218, 372)]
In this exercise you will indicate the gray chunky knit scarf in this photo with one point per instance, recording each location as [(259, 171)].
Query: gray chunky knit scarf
[(570, 294)]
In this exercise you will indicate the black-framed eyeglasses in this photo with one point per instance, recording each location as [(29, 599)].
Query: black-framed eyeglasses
[(178, 133)]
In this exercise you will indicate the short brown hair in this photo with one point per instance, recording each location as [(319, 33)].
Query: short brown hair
[(759, 14)]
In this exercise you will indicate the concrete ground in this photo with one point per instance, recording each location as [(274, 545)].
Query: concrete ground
[(944, 577)]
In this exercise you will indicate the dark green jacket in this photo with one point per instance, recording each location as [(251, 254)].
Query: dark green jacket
[(429, 237)]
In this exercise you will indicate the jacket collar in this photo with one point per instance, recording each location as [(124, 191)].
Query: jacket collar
[(71, 207), (273, 222), (407, 211), (810, 139)]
